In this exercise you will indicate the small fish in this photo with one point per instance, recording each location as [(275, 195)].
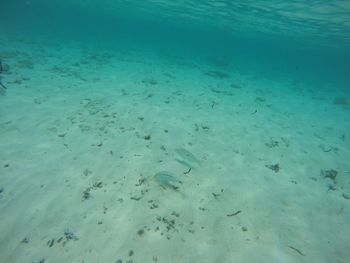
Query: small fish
[(187, 156), (167, 180)]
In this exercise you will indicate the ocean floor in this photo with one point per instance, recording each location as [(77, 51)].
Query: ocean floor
[(136, 156)]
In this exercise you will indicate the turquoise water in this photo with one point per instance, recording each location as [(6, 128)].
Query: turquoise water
[(312, 38), (174, 131)]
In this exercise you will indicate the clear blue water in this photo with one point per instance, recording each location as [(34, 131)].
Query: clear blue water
[(175, 131)]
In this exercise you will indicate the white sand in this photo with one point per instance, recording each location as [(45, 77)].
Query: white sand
[(71, 126)]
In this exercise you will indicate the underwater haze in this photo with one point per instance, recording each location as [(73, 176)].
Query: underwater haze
[(166, 131)]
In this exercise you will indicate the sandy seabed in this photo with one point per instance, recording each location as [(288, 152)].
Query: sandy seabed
[(130, 156)]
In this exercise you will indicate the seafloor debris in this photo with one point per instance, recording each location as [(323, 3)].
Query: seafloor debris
[(67, 236), (331, 174), (234, 213), (188, 171), (274, 167), (25, 240), (297, 250), (272, 143), (87, 194), (217, 195)]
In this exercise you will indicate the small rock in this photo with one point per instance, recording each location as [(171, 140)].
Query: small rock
[(25, 240), (273, 167)]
